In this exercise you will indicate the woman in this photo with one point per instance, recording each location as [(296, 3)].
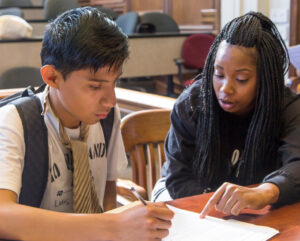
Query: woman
[(237, 124)]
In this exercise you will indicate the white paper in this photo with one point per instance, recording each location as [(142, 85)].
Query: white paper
[(188, 226), (294, 54)]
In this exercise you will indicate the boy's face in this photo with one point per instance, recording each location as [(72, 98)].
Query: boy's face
[(85, 96), (235, 78)]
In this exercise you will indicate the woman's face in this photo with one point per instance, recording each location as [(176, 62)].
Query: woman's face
[(235, 78)]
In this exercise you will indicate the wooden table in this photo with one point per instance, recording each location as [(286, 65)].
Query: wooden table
[(285, 219)]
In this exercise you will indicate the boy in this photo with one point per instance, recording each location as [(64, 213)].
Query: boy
[(82, 57)]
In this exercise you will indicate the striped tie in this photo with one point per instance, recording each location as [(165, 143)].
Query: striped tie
[(85, 198)]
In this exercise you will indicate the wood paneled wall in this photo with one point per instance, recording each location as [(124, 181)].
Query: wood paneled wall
[(188, 11), (294, 29), (184, 12), (146, 5)]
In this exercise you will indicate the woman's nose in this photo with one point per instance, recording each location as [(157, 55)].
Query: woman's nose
[(227, 87)]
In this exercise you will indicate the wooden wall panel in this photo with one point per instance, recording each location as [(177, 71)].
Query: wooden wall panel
[(146, 5), (184, 12), (188, 11), (294, 29)]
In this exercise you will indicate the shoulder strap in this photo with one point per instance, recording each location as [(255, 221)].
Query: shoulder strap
[(35, 172), (107, 125), (27, 92)]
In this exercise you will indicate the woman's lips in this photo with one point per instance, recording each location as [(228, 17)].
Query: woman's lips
[(225, 104)]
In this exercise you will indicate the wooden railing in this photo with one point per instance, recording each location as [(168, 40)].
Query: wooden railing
[(128, 100)]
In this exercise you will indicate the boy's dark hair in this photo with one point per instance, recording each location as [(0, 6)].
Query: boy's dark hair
[(262, 140), (83, 38)]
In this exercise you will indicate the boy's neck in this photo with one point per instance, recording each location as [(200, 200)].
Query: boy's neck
[(66, 119)]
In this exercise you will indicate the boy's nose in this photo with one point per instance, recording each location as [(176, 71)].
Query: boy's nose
[(109, 99)]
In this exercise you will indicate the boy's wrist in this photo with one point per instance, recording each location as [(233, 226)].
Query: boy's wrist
[(113, 226)]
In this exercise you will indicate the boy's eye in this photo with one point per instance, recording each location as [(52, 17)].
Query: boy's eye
[(95, 87)]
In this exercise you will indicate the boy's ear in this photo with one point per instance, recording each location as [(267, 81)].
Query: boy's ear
[(51, 76)]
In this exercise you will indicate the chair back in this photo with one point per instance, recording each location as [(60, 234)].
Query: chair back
[(15, 3), (52, 8), (128, 22), (195, 50), (12, 11), (108, 11), (161, 22), (20, 77), (144, 133)]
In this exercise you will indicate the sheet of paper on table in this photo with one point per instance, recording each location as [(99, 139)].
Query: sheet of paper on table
[(188, 226)]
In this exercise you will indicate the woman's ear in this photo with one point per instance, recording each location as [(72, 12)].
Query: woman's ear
[(51, 76)]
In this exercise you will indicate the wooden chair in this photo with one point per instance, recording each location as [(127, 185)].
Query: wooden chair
[(143, 134)]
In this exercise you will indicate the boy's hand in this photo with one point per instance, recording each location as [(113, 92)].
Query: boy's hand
[(144, 223), (231, 199)]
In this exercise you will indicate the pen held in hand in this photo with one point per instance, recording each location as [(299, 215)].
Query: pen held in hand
[(137, 195)]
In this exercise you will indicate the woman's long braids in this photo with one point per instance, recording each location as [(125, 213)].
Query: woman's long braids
[(250, 30)]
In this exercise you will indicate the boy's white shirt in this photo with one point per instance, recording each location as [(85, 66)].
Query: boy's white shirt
[(58, 194)]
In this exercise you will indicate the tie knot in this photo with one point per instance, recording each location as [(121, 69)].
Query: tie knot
[(84, 131)]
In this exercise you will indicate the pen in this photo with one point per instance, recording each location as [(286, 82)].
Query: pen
[(137, 195)]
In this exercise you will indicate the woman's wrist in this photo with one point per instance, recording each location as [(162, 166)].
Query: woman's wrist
[(270, 192)]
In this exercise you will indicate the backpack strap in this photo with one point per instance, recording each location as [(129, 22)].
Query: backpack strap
[(36, 163), (107, 125), (27, 92)]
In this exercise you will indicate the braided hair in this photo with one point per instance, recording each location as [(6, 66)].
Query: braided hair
[(250, 30)]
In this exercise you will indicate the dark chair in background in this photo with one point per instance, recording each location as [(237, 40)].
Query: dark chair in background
[(128, 22), (12, 11), (157, 22), (161, 22), (193, 54), (20, 77), (108, 11), (52, 8), (15, 3)]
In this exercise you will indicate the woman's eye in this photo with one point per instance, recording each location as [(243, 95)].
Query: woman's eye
[(242, 80), (218, 75)]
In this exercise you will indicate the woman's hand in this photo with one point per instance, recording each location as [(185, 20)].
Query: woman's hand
[(231, 199)]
